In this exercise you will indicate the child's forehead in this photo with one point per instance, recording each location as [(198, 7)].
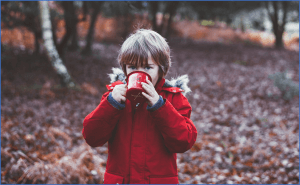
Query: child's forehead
[(137, 63), (140, 61)]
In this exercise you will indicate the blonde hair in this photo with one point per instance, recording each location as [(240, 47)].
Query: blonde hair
[(141, 45)]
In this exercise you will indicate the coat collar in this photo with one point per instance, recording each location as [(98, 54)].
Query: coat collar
[(159, 84)]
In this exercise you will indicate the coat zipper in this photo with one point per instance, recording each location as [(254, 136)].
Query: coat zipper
[(134, 110)]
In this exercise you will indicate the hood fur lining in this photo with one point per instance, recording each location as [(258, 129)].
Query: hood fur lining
[(117, 74)]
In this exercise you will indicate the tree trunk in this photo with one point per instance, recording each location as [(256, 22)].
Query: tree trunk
[(70, 21), (85, 10), (74, 42), (127, 24), (279, 40), (53, 30), (278, 28), (89, 38), (37, 36), (171, 9), (52, 53), (33, 24), (154, 9), (242, 25)]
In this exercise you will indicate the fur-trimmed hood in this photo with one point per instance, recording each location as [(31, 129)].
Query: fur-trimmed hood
[(180, 82)]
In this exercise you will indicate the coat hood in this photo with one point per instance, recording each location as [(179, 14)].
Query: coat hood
[(179, 82)]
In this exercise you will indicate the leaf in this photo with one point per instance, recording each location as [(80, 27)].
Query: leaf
[(90, 89)]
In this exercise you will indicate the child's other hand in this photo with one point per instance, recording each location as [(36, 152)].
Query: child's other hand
[(151, 93), (119, 93)]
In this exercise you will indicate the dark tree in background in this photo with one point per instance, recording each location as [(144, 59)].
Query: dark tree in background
[(123, 14), (70, 25), (83, 5), (95, 7), (170, 9), (154, 9), (55, 17), (278, 25)]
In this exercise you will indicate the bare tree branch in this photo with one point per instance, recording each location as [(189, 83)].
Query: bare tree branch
[(131, 6), (284, 6), (267, 7)]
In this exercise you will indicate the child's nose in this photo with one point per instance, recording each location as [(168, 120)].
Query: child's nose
[(141, 69)]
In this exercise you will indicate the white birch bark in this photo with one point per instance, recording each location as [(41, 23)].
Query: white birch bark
[(52, 53)]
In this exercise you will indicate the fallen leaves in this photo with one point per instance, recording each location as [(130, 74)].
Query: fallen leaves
[(90, 89), (245, 136), (219, 83), (46, 90)]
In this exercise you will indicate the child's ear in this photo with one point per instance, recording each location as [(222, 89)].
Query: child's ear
[(124, 69), (161, 73)]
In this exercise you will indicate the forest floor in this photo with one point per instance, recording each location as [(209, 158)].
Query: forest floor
[(247, 133)]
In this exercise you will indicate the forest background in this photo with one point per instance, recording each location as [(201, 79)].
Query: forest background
[(242, 59)]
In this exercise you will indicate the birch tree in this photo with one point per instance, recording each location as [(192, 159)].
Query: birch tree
[(52, 53)]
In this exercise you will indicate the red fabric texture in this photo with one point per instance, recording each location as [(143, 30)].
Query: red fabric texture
[(142, 147), (112, 179)]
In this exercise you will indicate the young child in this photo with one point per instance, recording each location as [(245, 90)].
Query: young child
[(143, 139)]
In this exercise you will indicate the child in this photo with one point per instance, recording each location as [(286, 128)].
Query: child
[(143, 139)]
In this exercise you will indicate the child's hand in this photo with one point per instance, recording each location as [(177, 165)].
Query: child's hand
[(119, 93), (151, 93)]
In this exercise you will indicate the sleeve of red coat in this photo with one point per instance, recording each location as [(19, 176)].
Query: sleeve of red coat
[(99, 124), (174, 123)]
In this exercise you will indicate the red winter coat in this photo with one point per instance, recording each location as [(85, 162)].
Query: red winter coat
[(142, 147)]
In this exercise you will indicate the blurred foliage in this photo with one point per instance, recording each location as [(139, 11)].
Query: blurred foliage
[(16, 13), (207, 23), (118, 19), (121, 8), (228, 10), (288, 88), (212, 10), (23, 13)]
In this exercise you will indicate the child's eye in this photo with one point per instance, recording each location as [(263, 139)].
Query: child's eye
[(147, 68), (132, 67)]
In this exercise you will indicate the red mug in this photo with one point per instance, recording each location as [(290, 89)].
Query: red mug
[(134, 86)]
